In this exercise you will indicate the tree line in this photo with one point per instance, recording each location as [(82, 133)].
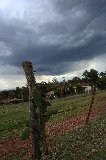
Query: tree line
[(61, 89)]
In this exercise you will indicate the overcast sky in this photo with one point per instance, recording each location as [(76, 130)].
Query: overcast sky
[(60, 37)]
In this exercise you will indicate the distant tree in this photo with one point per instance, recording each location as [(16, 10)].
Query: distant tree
[(43, 87), (58, 92), (17, 92), (12, 94), (71, 90), (24, 94), (69, 82), (4, 94), (54, 80), (79, 89), (75, 80), (101, 83), (102, 75), (91, 76)]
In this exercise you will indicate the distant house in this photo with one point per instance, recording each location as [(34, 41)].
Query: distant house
[(10, 101), (15, 100), (87, 88)]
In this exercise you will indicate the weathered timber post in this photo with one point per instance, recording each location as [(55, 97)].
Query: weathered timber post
[(28, 69), (91, 105)]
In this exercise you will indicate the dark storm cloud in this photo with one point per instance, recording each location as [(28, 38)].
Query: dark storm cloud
[(75, 31)]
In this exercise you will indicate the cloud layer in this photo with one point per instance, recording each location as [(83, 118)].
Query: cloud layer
[(53, 34)]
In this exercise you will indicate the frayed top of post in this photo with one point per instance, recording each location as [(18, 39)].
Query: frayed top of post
[(28, 68)]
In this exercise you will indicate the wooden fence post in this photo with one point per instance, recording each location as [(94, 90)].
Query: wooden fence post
[(91, 105), (28, 69)]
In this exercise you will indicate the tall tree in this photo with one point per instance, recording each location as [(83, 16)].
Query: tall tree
[(91, 76), (24, 94), (79, 89), (75, 80), (54, 80), (101, 83)]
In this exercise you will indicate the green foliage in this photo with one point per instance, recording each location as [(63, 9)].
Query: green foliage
[(101, 83), (71, 90), (25, 134), (79, 89), (41, 106), (21, 93), (4, 94), (75, 80), (43, 87), (55, 81), (25, 94), (91, 77), (36, 96), (39, 111), (31, 123)]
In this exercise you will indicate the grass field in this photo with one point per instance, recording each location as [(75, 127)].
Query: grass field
[(85, 143), (12, 117), (76, 145)]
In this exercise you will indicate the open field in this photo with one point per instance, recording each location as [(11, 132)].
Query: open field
[(82, 144), (65, 138), (12, 117)]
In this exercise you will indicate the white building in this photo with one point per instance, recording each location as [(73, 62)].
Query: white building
[(87, 88)]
